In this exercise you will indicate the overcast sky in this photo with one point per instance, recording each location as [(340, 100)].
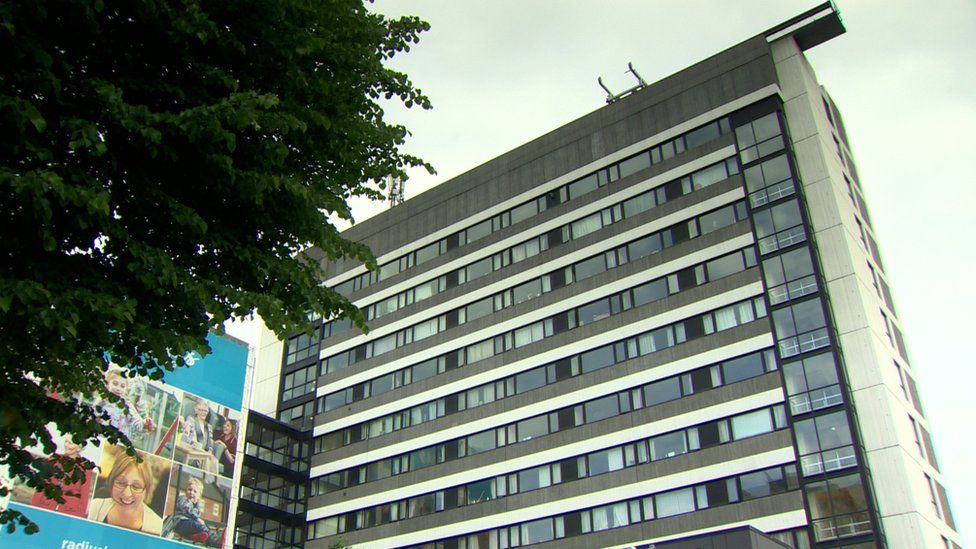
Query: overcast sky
[(500, 73)]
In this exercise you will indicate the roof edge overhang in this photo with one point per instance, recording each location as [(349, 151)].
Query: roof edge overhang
[(811, 28)]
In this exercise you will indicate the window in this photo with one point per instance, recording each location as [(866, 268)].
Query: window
[(652, 291), (527, 291), (674, 502), (479, 351), (480, 442), (477, 232), (528, 249), (838, 508), (483, 490), (729, 317), (778, 227), (533, 479), (824, 444), (752, 424), (302, 346), (606, 517), (533, 428), (638, 204), (709, 176), (800, 328), (669, 445), (426, 412), (602, 408), (427, 289), (702, 135), (594, 311), (527, 381), (386, 306), (298, 416), (427, 328), (718, 219), (586, 225), (651, 342), (480, 395), (942, 501), (430, 252), (662, 391), (424, 370), (769, 181), (422, 458), (635, 164), (789, 276), (583, 186), (325, 527), (537, 532), (336, 400), (645, 247), (525, 211), (725, 266), (389, 269), (759, 138), (597, 358), (477, 269), (478, 309), (812, 384), (767, 482), (421, 505), (605, 461), (745, 367), (590, 267), (299, 383), (384, 344), (529, 334)]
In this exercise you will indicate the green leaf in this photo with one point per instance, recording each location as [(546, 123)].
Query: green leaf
[(35, 117)]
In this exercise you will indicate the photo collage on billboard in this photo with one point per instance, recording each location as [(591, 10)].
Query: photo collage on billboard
[(179, 489)]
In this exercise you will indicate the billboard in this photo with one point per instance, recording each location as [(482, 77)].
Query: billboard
[(186, 431)]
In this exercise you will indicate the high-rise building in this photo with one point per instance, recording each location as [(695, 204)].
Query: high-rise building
[(666, 319)]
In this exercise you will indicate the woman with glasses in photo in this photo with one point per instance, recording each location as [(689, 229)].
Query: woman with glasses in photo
[(131, 484)]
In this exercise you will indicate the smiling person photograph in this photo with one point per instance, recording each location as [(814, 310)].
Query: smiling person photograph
[(196, 442), (225, 446), (125, 496)]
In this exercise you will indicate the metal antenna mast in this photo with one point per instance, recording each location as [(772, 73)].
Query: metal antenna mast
[(395, 185), (611, 97)]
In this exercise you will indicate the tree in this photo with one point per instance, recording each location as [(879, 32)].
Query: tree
[(163, 166)]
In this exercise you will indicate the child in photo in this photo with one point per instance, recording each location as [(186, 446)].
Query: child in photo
[(186, 517), (125, 416)]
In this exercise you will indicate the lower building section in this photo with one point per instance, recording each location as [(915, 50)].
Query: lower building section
[(274, 481)]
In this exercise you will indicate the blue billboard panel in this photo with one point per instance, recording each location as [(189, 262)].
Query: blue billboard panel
[(178, 488), (62, 531), (217, 376)]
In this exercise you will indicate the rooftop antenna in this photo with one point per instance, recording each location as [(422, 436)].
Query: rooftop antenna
[(395, 184), (611, 97)]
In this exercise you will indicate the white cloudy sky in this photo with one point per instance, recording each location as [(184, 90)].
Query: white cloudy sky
[(502, 72)]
